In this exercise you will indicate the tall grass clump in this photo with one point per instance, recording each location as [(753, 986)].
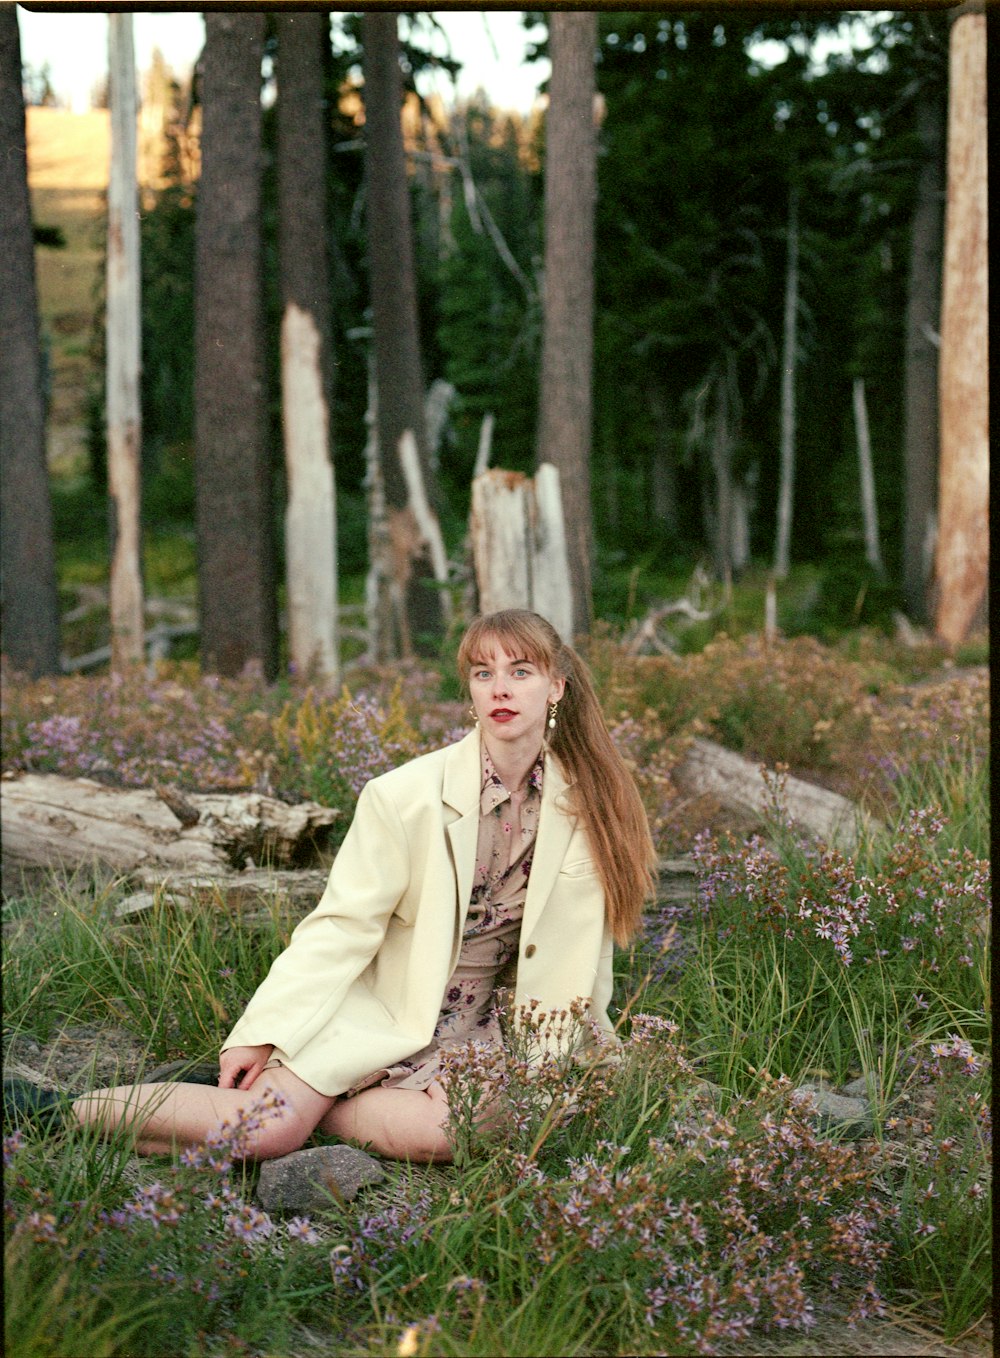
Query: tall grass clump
[(930, 747), (180, 1263), (177, 977), (811, 964)]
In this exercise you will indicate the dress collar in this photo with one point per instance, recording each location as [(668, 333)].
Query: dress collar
[(493, 791)]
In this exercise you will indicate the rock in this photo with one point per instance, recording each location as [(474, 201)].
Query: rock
[(835, 1112), (858, 1089), (707, 1090), (183, 1072), (308, 1180), (136, 904)]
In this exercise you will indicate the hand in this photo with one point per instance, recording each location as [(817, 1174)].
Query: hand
[(239, 1067)]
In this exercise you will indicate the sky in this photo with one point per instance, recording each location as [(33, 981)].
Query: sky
[(74, 44)]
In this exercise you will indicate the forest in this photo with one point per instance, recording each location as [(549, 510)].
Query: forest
[(692, 359), (744, 322)]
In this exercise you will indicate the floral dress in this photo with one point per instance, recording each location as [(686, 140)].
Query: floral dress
[(505, 847)]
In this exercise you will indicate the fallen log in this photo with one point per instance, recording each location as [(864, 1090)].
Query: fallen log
[(739, 785), (47, 821), (231, 891)]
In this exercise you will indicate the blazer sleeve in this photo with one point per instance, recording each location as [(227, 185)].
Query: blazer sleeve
[(331, 947)]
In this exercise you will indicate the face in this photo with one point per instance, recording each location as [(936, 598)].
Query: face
[(511, 695)]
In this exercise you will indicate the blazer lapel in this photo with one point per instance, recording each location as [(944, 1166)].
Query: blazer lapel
[(555, 830), (460, 794)]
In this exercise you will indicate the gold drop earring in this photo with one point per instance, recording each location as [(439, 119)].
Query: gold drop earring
[(553, 709), (474, 715)]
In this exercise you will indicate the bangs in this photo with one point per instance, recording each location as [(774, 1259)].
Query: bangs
[(520, 634)]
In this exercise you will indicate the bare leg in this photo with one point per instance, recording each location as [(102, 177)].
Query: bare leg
[(404, 1124), (170, 1115)]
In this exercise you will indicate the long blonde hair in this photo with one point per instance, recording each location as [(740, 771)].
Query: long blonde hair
[(603, 792)]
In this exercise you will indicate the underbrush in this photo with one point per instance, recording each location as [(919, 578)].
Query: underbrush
[(673, 1197), (855, 723)]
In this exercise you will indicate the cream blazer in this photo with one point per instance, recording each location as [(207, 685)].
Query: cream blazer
[(361, 983)]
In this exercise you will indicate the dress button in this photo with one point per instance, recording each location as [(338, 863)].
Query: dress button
[(529, 950)]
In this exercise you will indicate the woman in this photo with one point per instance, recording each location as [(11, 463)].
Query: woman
[(526, 841)]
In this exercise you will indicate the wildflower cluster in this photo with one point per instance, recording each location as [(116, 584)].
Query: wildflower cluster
[(911, 726), (176, 728), (191, 1234), (206, 733), (917, 914), (552, 1068), (728, 1224), (376, 1239), (328, 750), (938, 1155)]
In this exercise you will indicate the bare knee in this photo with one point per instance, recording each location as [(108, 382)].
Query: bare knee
[(277, 1137), (426, 1145), (400, 1124)]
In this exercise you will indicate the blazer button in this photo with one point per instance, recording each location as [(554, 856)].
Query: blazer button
[(529, 950)]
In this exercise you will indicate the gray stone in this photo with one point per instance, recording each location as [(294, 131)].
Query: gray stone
[(858, 1089), (833, 1112), (136, 904), (706, 1089), (309, 1180), (183, 1072)]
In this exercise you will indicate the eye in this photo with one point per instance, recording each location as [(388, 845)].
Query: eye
[(480, 674), (521, 670)]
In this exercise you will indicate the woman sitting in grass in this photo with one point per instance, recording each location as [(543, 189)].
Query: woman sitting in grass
[(525, 842)]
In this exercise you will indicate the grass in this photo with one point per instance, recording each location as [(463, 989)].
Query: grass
[(688, 1205)]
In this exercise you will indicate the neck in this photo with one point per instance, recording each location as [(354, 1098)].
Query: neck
[(513, 764)]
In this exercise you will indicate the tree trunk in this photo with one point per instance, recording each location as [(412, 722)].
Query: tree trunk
[(742, 507), (519, 545), (869, 505), (306, 349), (123, 361), (786, 485), (962, 562), (923, 307), (30, 607), (722, 468), (564, 435), (418, 608), (232, 463), (663, 469)]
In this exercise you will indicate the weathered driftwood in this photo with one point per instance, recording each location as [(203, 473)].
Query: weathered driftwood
[(300, 887), (738, 784), (50, 821)]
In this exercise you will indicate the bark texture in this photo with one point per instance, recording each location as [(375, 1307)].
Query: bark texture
[(519, 545), (738, 784), (962, 562), (30, 610), (49, 821), (124, 415), (398, 373), (233, 466), (306, 348), (565, 415)]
